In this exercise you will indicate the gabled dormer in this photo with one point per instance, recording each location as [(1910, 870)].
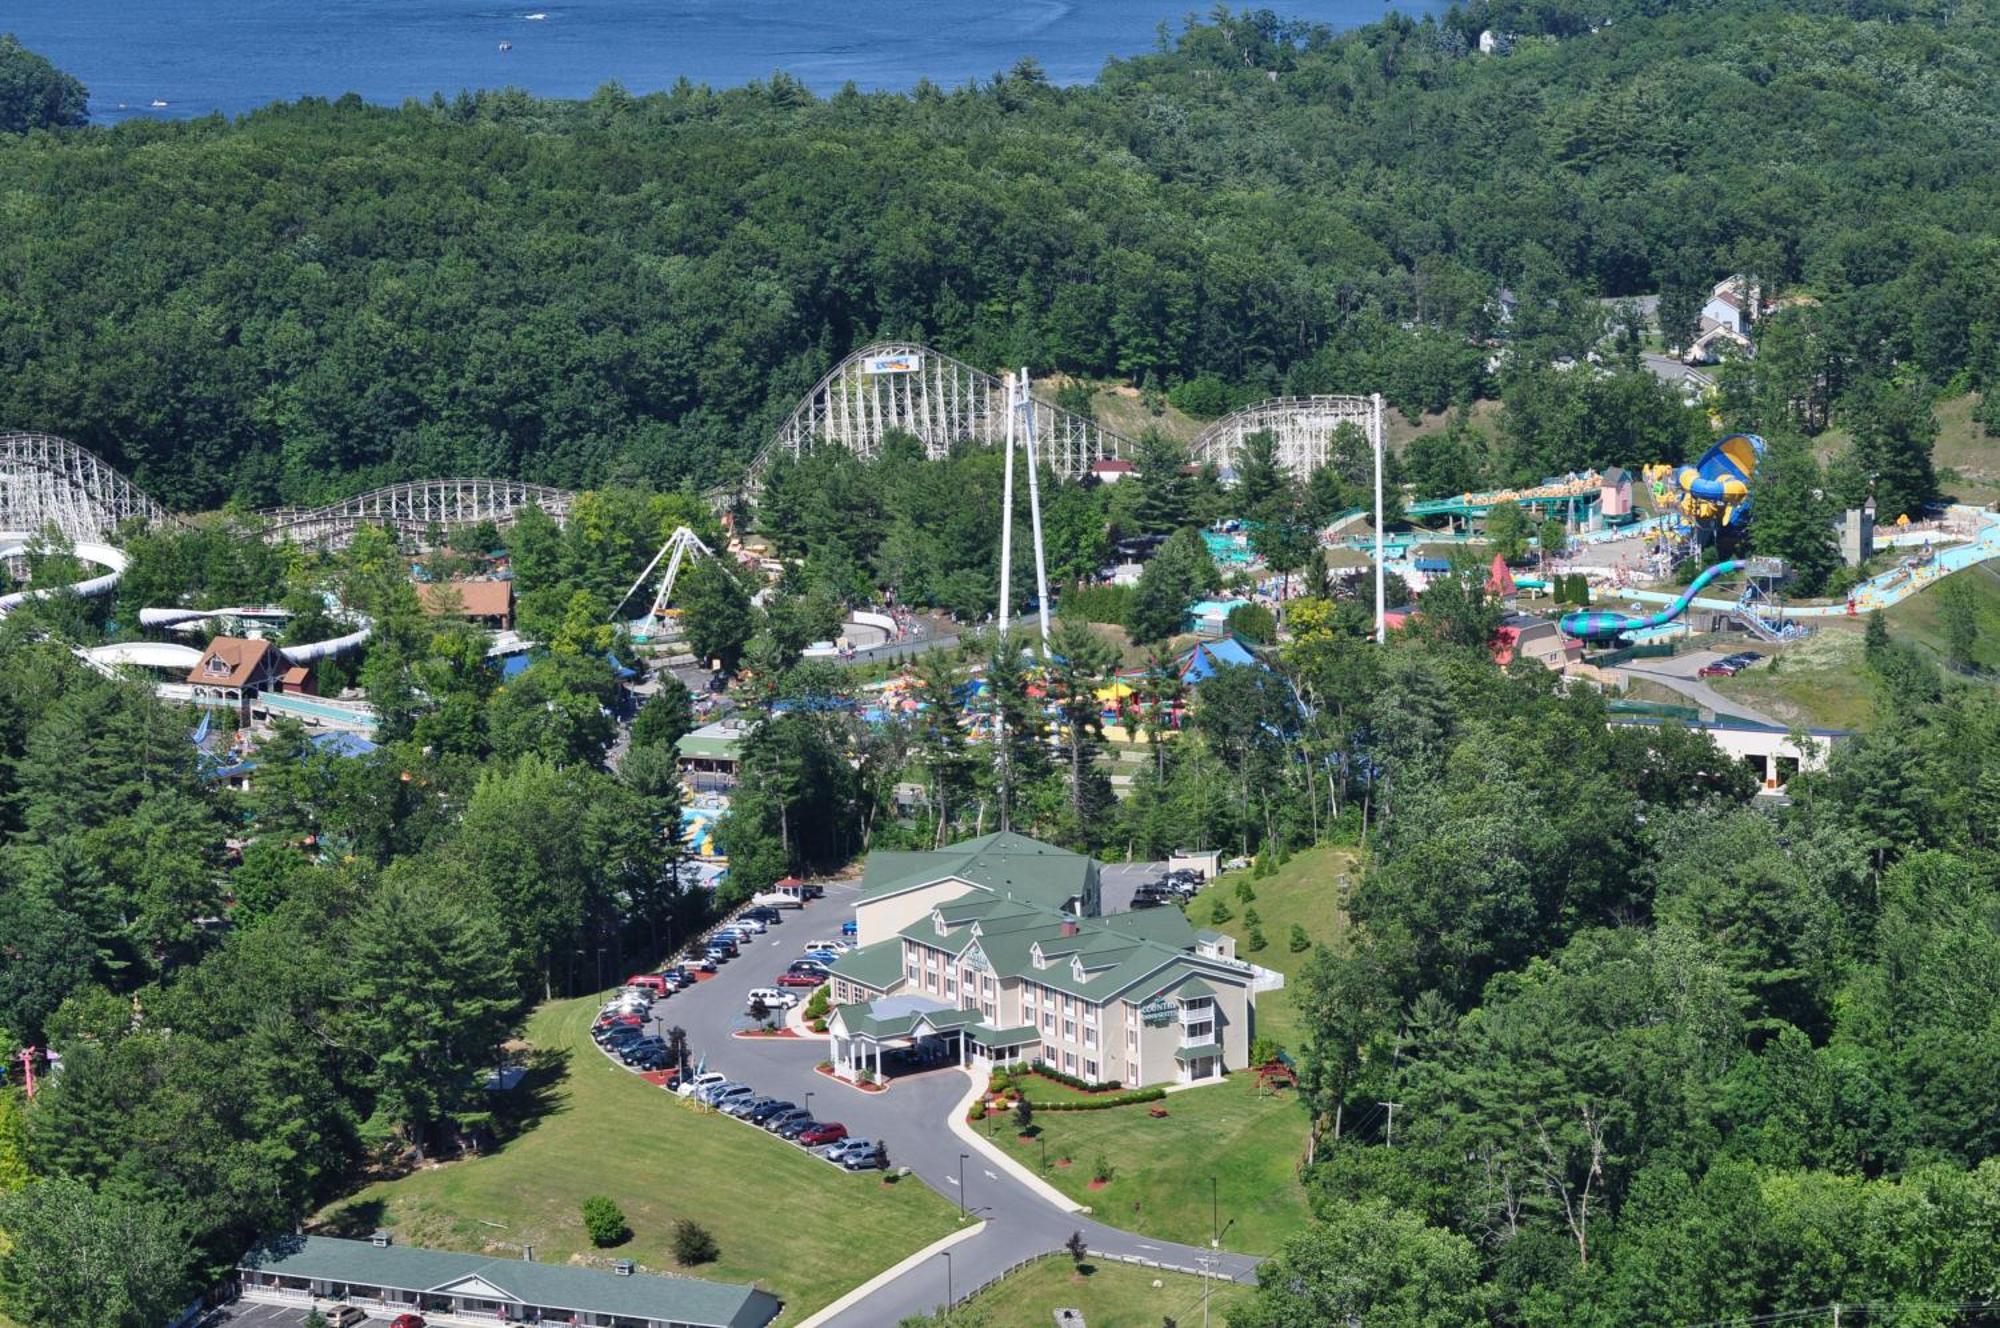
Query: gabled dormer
[(1036, 957)]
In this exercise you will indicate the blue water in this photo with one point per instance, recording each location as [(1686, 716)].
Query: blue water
[(200, 56)]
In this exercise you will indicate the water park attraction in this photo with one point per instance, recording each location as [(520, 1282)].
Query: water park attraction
[(1601, 625), (1716, 488)]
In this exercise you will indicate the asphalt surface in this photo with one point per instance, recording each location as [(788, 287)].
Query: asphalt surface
[(1678, 674), (910, 1118)]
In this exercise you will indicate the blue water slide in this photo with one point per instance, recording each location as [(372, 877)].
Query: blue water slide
[(1601, 625)]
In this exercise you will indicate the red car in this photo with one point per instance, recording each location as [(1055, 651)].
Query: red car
[(620, 1021), (825, 1133), (799, 980), (407, 1321)]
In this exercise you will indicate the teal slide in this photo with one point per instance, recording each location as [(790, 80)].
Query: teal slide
[(1597, 625)]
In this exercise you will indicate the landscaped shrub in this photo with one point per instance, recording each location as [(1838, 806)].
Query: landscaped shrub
[(1299, 942), (1048, 1071), (1110, 605), (1246, 891), (1251, 918), (1219, 910), (1101, 1168), (1024, 1114), (1257, 941), (976, 1112), (1105, 1101), (604, 1222), (693, 1244), (1264, 1050), (1253, 623), (819, 1003)]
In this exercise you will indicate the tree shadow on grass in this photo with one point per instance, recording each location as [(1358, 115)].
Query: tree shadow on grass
[(537, 1096), (355, 1220)]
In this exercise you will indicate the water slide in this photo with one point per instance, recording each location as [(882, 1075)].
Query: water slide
[(1600, 625), (14, 543), (308, 652), (1717, 485)]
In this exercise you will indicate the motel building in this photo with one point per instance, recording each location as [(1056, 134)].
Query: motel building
[(479, 1290), (992, 953)]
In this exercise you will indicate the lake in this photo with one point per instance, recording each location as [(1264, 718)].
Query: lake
[(200, 56)]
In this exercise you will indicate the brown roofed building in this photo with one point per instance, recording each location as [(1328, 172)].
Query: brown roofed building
[(488, 603), (233, 670)]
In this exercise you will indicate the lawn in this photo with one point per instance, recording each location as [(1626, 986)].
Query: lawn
[(1109, 1295), (1248, 1141), (608, 1132), (1822, 681), (1307, 891)]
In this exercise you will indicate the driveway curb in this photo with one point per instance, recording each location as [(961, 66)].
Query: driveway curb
[(890, 1274), (1044, 1191)]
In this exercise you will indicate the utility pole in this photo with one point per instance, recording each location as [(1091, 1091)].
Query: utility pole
[(1034, 507), (1381, 591), (1392, 1120)]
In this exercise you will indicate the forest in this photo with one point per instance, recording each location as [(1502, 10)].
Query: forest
[(325, 296)]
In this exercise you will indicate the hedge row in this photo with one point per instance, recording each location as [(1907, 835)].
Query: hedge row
[(1100, 1103)]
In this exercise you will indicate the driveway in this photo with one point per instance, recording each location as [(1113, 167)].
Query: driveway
[(910, 1118), (1120, 881), (1677, 674)]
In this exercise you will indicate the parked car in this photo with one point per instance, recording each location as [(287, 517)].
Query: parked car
[(718, 954), (823, 1132), (768, 1108), (722, 1094), (653, 1058), (776, 1124), (695, 1083), (850, 928), (408, 1321), (835, 948), (865, 1159), (770, 917), (772, 997), (701, 965), (629, 1052), (1721, 668), (342, 1316), (795, 1124), (649, 981), (743, 1106), (757, 926), (823, 956), (795, 978), (812, 891), (833, 1152)]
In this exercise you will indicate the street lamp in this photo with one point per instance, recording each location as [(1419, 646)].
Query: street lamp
[(961, 1185), (809, 1102), (1044, 1140), (1214, 1217), (949, 1299)]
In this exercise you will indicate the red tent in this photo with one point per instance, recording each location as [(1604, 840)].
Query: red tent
[(1499, 580)]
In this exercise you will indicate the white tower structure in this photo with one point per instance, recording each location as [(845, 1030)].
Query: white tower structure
[(1021, 424), (680, 546)]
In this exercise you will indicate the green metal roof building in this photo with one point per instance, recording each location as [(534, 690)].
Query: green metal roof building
[(389, 1279)]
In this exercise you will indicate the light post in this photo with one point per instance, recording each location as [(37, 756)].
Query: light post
[(961, 1185), (1381, 593), (1214, 1217), (809, 1102), (1043, 1139), (949, 1299)]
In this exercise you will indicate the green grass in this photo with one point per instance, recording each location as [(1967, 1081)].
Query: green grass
[(1308, 891), (609, 1132), (1109, 1295), (1822, 681), (1249, 1141)]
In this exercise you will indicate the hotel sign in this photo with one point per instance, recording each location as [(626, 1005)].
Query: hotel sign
[(909, 362), (1157, 1011)]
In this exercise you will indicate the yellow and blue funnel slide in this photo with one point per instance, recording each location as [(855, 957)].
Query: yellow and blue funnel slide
[(1716, 487)]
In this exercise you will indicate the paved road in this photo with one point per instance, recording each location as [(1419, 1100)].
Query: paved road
[(1677, 674), (910, 1118)]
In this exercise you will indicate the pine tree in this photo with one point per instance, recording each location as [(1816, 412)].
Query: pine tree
[(1790, 515)]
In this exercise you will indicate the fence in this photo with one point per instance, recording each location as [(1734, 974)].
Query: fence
[(1613, 658), (1218, 1274)]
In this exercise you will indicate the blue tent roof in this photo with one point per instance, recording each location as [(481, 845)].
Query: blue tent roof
[(619, 670), (343, 744), (1200, 663), (513, 666)]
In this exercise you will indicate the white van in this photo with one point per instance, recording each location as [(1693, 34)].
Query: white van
[(838, 947), (773, 998), (689, 1087)]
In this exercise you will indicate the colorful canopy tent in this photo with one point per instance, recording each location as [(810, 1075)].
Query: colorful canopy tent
[(1115, 692), (1201, 663), (1500, 581)]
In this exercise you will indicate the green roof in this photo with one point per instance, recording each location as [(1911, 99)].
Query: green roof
[(1194, 987), (1006, 1037), (1185, 1054), (1210, 934), (1005, 864), (683, 1300), (1168, 926), (898, 1016), (693, 747), (877, 967)]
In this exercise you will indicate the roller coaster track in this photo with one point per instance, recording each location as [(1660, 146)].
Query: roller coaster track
[(414, 508), (901, 387), (1302, 426), (47, 481)]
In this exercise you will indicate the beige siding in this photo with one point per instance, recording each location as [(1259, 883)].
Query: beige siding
[(879, 919)]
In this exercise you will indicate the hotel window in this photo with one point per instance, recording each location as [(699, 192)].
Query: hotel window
[(930, 981), (1049, 1020), (950, 985), (1089, 1037), (986, 985), (1131, 1072), (913, 970), (987, 1010), (1048, 1054), (1069, 1030), (1193, 1035), (930, 959), (1090, 1071), (1069, 1061), (1132, 1038), (1069, 1005), (1089, 1014)]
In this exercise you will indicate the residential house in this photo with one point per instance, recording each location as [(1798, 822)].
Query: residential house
[(233, 671)]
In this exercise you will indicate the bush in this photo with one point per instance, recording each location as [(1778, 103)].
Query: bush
[(693, 1244), (1219, 910), (998, 1083), (604, 1222), (1110, 605), (1204, 397), (1254, 623), (820, 1002), (1251, 919), (1299, 942), (976, 1112), (1104, 1101), (1246, 891), (316, 1320), (1257, 941), (1264, 1049), (1024, 1114), (1101, 1168)]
